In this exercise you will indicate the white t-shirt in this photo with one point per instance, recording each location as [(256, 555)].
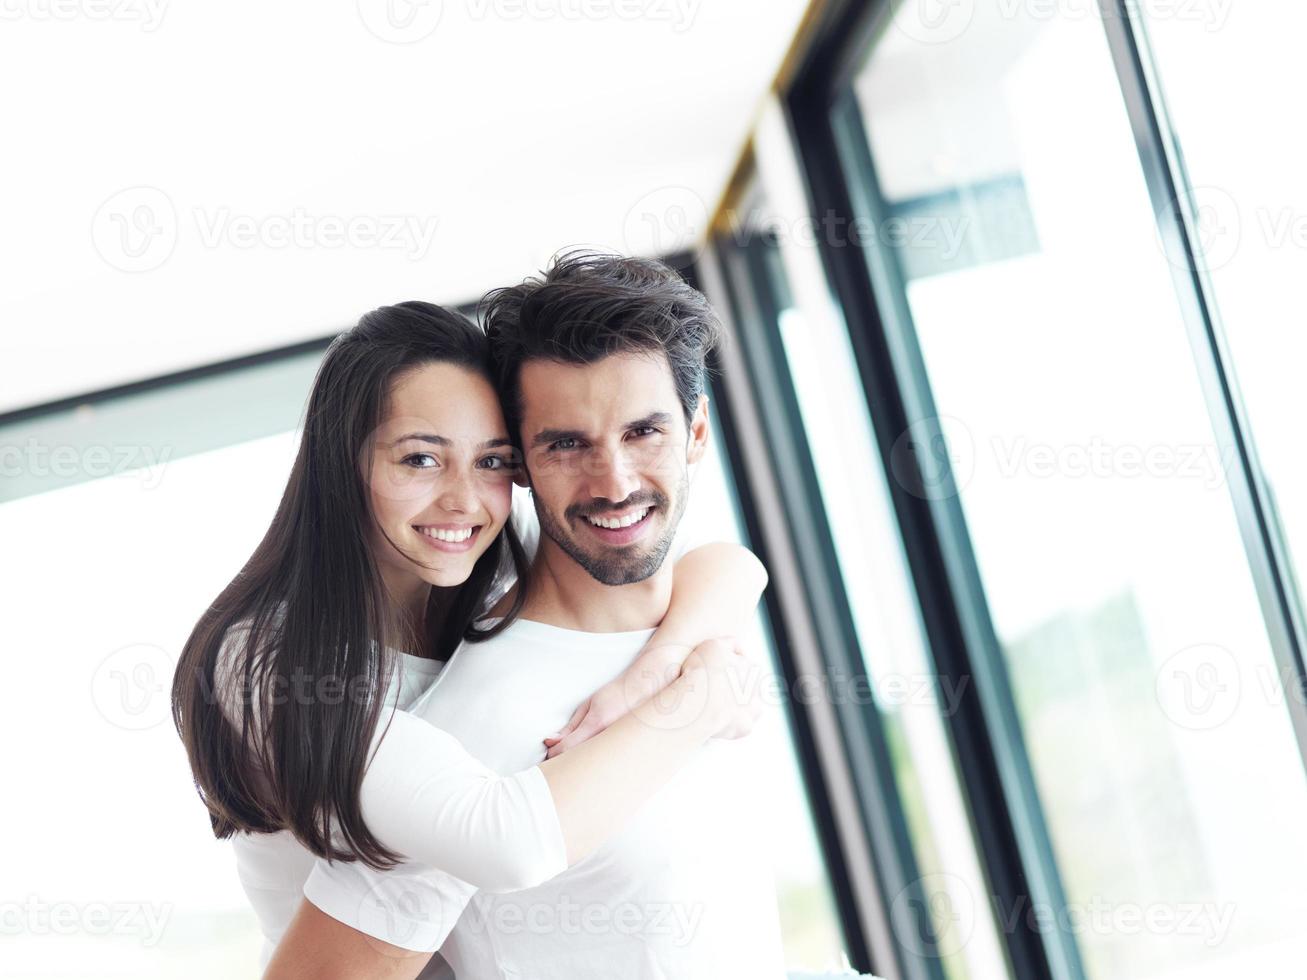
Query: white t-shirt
[(683, 891)]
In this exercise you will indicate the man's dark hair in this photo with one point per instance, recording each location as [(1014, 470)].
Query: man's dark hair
[(589, 305)]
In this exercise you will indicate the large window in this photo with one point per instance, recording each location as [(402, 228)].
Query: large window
[(1014, 256)]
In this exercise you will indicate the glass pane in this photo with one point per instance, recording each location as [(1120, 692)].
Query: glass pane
[(810, 928), (107, 578), (1013, 233), (906, 693), (1245, 165)]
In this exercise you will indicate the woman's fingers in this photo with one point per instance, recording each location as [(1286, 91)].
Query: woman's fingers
[(589, 726), (558, 741), (572, 722)]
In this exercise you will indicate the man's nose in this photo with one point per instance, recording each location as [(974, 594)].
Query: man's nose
[(612, 475)]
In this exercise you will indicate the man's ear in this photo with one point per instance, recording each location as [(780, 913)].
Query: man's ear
[(699, 430), (520, 476)]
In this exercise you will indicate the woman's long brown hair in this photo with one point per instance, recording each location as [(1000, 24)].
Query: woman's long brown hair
[(308, 614)]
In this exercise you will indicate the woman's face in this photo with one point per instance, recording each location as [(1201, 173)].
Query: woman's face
[(441, 478)]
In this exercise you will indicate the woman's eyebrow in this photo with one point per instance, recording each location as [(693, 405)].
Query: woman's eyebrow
[(436, 440)]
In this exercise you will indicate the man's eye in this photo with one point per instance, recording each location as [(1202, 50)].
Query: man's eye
[(419, 461), (643, 430), (568, 443)]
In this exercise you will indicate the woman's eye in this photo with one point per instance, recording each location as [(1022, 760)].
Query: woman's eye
[(419, 461), (495, 463)]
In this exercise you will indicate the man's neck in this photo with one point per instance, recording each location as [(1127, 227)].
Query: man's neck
[(564, 594)]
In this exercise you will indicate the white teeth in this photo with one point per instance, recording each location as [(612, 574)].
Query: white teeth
[(613, 523), (452, 536)]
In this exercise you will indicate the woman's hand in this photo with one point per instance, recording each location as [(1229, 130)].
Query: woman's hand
[(651, 673), (715, 589), (597, 785), (730, 675)]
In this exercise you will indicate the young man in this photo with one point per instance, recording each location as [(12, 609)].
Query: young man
[(601, 367)]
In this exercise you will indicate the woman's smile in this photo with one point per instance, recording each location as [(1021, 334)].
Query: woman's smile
[(449, 537)]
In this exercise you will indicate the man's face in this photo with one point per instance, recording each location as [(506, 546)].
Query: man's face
[(608, 455)]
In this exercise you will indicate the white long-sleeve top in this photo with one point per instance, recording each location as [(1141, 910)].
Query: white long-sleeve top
[(423, 796)]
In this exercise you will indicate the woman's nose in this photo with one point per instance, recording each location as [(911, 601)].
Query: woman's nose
[(457, 496)]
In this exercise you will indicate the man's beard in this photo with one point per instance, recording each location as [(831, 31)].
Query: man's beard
[(626, 566)]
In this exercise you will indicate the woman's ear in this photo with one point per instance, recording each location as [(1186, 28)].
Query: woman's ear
[(699, 430)]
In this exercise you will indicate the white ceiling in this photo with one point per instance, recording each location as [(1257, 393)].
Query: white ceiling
[(158, 155)]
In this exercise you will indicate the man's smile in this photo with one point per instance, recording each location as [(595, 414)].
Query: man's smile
[(621, 528)]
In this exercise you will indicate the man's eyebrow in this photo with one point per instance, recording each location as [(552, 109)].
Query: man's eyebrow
[(653, 418), (546, 436), (436, 440)]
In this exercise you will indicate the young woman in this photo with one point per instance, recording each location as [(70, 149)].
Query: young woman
[(291, 690)]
